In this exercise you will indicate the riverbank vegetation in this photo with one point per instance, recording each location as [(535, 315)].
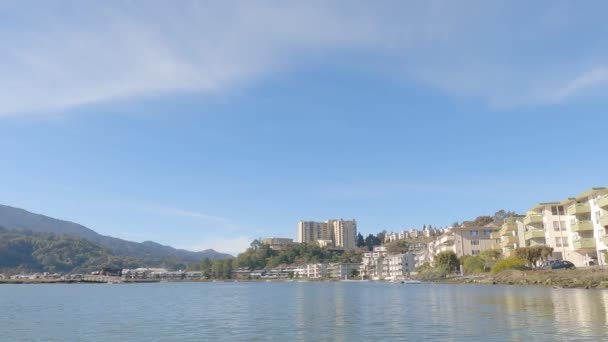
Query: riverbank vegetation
[(447, 263)]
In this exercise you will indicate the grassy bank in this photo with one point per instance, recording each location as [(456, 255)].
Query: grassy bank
[(580, 278)]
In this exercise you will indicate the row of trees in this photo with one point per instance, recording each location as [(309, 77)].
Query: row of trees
[(498, 218), (35, 252), (260, 256)]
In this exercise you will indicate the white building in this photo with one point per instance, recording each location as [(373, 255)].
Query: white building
[(311, 271), (341, 270), (576, 228), (380, 265)]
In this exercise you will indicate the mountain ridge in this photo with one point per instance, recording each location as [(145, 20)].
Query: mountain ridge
[(24, 220)]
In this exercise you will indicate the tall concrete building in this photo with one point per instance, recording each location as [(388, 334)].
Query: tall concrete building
[(342, 233)]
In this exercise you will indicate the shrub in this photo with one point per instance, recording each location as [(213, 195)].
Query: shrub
[(512, 263), (447, 260), (472, 264)]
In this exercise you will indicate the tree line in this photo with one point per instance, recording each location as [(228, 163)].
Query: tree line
[(259, 256)]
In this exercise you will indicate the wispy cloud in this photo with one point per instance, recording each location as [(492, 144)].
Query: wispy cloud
[(210, 220), (61, 55), (596, 77)]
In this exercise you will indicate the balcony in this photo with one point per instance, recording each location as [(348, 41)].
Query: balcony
[(508, 227), (508, 240), (536, 243), (579, 209), (447, 240), (533, 218), (534, 234), (604, 221), (603, 202), (581, 226), (584, 243)]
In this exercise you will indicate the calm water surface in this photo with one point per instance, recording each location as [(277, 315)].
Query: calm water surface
[(299, 311)]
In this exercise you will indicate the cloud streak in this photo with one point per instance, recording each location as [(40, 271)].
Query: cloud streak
[(68, 54), (219, 222)]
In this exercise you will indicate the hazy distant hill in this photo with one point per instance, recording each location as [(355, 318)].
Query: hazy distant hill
[(151, 252)]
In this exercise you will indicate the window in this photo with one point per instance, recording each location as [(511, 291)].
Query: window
[(497, 240), (554, 210), (474, 232), (558, 242), (563, 224), (597, 217), (556, 226), (475, 242), (560, 209), (475, 252), (565, 241)]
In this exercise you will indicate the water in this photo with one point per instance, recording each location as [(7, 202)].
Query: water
[(345, 311)]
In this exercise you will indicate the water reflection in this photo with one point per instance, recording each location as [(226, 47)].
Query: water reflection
[(302, 312)]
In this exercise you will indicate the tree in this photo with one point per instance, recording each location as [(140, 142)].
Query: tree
[(490, 257), (472, 264), (447, 259), (360, 240), (397, 247), (255, 244), (501, 215), (532, 255), (205, 268), (371, 241), (380, 237)]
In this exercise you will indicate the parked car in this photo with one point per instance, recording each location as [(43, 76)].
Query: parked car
[(560, 264)]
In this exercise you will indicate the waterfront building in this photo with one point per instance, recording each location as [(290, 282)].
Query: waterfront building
[(509, 236), (576, 228), (473, 240), (467, 241), (341, 233), (311, 271), (342, 270), (380, 265)]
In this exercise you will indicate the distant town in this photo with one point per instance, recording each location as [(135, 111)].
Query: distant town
[(574, 229)]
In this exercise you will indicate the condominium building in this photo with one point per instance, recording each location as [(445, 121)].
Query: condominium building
[(342, 233), (473, 240), (380, 265), (342, 270), (510, 235), (576, 228), (311, 271)]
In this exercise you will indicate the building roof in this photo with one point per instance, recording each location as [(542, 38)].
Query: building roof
[(591, 192)]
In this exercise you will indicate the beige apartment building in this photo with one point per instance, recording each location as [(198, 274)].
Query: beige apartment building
[(576, 228), (341, 233), (509, 236)]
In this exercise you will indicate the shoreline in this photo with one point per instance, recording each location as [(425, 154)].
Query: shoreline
[(575, 279), (579, 278)]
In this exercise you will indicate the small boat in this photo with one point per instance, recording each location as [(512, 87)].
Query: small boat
[(411, 281)]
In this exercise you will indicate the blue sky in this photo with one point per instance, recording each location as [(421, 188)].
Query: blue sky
[(205, 125)]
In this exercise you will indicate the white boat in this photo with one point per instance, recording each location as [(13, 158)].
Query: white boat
[(411, 281)]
